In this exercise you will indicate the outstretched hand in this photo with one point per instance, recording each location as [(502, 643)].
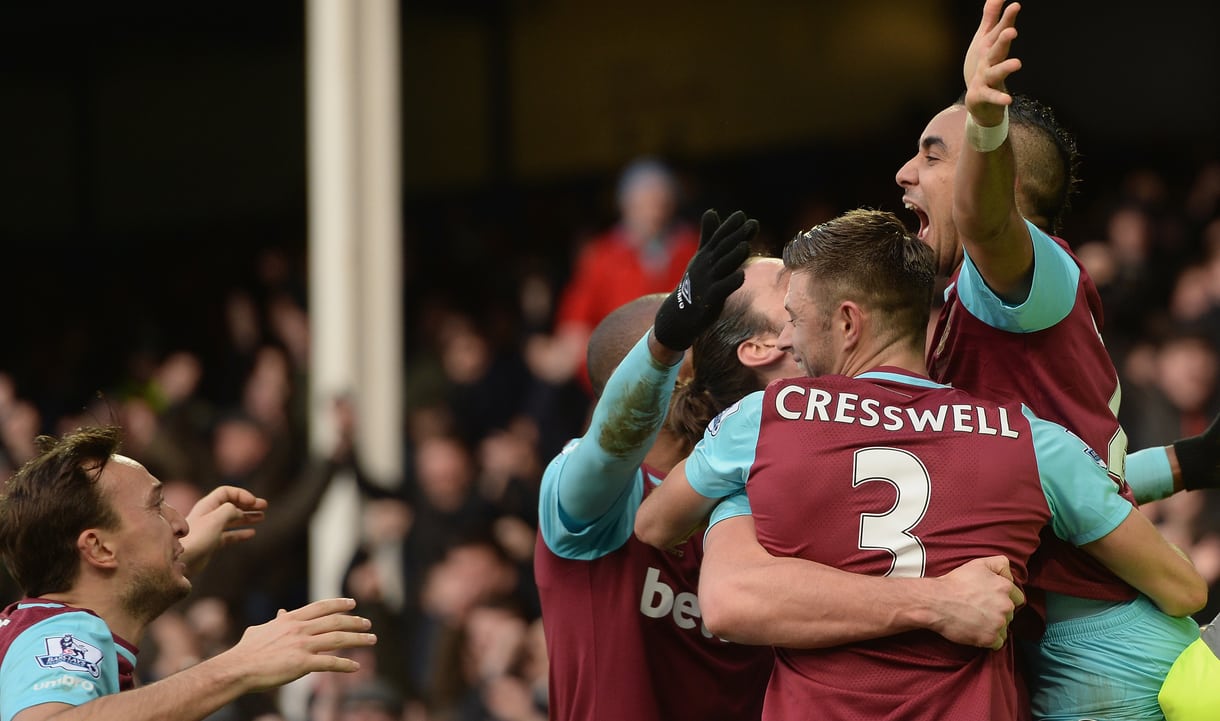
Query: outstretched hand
[(222, 517), (298, 642), (979, 601), (711, 276), (987, 65)]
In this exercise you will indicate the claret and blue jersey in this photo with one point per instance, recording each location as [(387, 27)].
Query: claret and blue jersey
[(893, 474), (52, 653), (624, 630), (1047, 352)]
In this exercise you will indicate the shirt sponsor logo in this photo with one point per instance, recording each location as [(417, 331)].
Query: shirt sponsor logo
[(659, 601), (71, 654), (65, 682)]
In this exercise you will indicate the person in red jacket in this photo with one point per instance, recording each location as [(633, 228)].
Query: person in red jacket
[(645, 252)]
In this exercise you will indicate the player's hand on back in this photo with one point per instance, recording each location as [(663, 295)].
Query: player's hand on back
[(978, 601)]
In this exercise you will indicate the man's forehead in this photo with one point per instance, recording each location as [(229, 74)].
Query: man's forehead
[(123, 469), (797, 287), (947, 126), (765, 270), (780, 279)]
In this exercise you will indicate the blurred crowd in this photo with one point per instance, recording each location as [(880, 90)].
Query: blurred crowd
[(444, 566)]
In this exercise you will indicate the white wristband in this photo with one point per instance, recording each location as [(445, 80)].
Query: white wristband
[(986, 139)]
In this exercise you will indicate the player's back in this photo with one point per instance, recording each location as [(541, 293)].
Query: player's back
[(626, 638), (1062, 372), (892, 474)]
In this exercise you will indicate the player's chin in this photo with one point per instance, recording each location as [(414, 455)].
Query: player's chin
[(180, 576)]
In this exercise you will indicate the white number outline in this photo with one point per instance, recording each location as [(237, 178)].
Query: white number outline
[(891, 531)]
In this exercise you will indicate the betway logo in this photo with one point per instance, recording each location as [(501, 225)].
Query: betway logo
[(658, 601)]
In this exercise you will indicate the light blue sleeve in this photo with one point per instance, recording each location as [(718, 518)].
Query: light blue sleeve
[(592, 540), (720, 464), (41, 667), (1082, 496), (1149, 474), (1051, 295), (735, 505), (592, 489)]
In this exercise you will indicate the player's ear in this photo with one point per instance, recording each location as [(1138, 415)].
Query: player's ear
[(849, 321), (759, 350), (96, 548)]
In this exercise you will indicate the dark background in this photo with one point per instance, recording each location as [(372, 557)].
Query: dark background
[(150, 151)]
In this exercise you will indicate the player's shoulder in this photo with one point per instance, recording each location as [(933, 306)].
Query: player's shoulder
[(746, 410), (45, 615), (56, 636)]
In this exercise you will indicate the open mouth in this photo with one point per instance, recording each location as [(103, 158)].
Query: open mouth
[(922, 233)]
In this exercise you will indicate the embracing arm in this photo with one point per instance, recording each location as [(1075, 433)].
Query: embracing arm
[(1087, 511), (984, 203), (673, 511), (1137, 553), (749, 596)]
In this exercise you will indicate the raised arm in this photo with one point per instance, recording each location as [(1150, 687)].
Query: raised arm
[(984, 204), (749, 596), (601, 467), (636, 399)]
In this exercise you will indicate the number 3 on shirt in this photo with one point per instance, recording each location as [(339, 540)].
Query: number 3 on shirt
[(891, 531)]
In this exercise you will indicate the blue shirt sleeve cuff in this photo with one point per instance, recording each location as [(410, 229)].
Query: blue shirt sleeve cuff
[(1149, 474)]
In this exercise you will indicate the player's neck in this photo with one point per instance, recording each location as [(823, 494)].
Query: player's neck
[(105, 604), (890, 356)]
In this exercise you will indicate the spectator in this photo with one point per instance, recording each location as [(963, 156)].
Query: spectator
[(645, 252)]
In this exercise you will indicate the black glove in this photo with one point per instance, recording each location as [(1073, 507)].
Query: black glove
[(710, 277), (1199, 458)]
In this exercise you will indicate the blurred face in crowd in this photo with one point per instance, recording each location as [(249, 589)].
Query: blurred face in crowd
[(647, 205), (239, 446), (445, 472), (1187, 375)]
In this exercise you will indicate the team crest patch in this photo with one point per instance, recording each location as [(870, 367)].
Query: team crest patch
[(714, 427), (1088, 450), (71, 654)]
